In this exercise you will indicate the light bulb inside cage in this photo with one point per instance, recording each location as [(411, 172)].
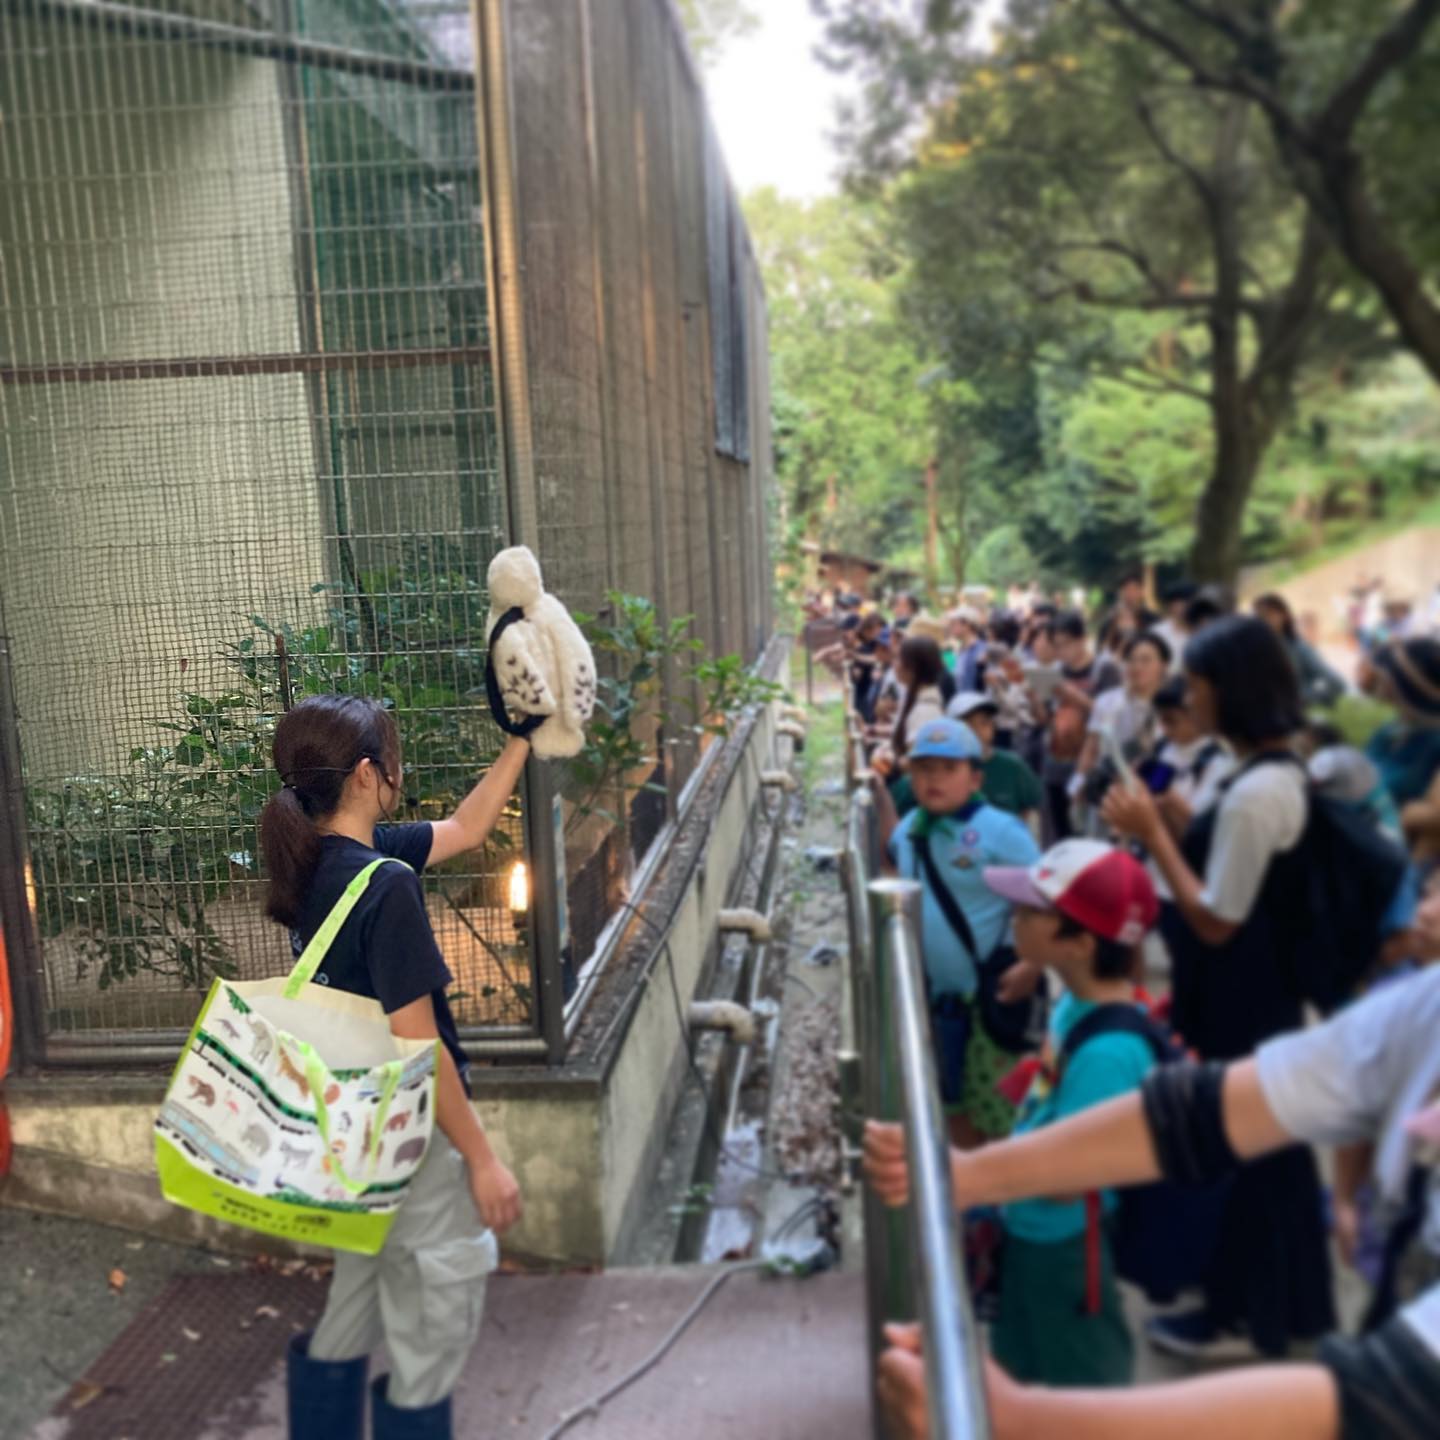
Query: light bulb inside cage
[(519, 890)]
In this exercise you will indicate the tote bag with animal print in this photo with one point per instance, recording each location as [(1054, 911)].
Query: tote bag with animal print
[(294, 1110)]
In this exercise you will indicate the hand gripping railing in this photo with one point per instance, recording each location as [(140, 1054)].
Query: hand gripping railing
[(953, 1375)]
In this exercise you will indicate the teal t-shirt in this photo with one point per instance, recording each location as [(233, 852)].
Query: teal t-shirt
[(1406, 758), (1102, 1068), (962, 845)]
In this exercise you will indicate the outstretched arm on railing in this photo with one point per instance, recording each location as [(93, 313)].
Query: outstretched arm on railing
[(1100, 1148), (1280, 1402)]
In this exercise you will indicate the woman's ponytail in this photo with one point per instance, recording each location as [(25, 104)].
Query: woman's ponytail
[(317, 745), (290, 845)]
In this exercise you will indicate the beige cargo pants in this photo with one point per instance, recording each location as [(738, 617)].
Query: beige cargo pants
[(423, 1294)]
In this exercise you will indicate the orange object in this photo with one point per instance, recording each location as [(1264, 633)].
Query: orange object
[(7, 1025), (6, 1009)]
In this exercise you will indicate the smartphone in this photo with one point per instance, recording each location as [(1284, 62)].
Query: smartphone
[(1043, 679), (1112, 748), (1158, 776)]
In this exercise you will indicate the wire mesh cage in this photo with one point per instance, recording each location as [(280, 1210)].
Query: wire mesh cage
[(249, 454), (251, 440)]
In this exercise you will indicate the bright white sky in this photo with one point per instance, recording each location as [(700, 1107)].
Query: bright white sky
[(774, 103)]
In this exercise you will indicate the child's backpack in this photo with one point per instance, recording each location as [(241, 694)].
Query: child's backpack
[(1164, 1235)]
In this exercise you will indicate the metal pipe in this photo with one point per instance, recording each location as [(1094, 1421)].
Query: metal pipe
[(953, 1378), (734, 1019), (495, 116), (139, 23), (17, 914), (210, 367), (108, 1050)]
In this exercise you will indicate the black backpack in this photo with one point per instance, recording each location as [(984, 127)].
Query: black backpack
[(1164, 1235), (1335, 887)]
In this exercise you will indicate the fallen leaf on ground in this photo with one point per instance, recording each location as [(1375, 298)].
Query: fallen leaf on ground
[(269, 1312), (84, 1393), (189, 1334), (117, 1279), (134, 1244)]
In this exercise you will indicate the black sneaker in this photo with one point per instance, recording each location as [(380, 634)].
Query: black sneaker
[(1193, 1335)]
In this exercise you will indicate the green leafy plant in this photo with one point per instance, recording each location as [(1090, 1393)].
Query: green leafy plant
[(729, 687), (127, 865), (633, 646)]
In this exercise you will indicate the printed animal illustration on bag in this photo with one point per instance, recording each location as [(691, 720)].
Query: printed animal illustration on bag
[(410, 1150), (262, 1042), (292, 1072), (201, 1092)]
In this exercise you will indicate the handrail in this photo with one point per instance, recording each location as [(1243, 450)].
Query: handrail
[(954, 1382), (897, 1080)]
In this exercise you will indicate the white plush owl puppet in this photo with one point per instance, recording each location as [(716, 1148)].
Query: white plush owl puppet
[(541, 663)]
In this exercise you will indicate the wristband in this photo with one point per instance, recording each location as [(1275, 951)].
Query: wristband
[(1185, 1112)]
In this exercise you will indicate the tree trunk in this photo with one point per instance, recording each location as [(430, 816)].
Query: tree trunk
[(1248, 405), (1215, 556), (1219, 522), (1363, 237), (932, 526)]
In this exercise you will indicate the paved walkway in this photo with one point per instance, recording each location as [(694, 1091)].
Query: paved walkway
[(778, 1359)]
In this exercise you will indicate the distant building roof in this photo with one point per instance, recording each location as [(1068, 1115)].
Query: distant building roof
[(840, 557)]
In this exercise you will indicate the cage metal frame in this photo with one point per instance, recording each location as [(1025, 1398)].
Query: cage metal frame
[(738, 614)]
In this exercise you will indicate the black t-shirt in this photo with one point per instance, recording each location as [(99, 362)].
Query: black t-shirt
[(385, 950)]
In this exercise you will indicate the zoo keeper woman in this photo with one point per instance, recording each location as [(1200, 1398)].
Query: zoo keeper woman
[(424, 1293)]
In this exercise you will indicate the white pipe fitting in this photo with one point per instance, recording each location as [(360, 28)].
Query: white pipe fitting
[(791, 728), (724, 1015), (797, 713), (750, 922), (781, 779)]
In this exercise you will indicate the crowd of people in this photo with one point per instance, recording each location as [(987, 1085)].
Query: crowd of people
[(1173, 915)]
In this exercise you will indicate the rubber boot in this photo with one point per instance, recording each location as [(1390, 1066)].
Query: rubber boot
[(326, 1398), (392, 1423)]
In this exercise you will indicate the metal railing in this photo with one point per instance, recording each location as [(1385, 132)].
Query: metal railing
[(913, 1259)]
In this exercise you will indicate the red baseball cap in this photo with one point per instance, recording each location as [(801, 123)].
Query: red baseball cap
[(1105, 889)]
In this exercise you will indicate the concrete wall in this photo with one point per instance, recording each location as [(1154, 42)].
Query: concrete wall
[(583, 1139), (641, 1089)]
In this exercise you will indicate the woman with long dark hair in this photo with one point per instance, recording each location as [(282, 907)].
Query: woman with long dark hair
[(1233, 983), (928, 686), (1319, 684), (338, 757)]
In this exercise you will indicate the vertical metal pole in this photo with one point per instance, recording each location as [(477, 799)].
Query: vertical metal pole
[(494, 114), (953, 1377), (22, 945), (863, 1009)]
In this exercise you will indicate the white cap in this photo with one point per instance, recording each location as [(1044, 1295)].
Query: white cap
[(967, 702)]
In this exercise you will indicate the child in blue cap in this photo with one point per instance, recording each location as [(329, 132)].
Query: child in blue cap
[(963, 835)]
